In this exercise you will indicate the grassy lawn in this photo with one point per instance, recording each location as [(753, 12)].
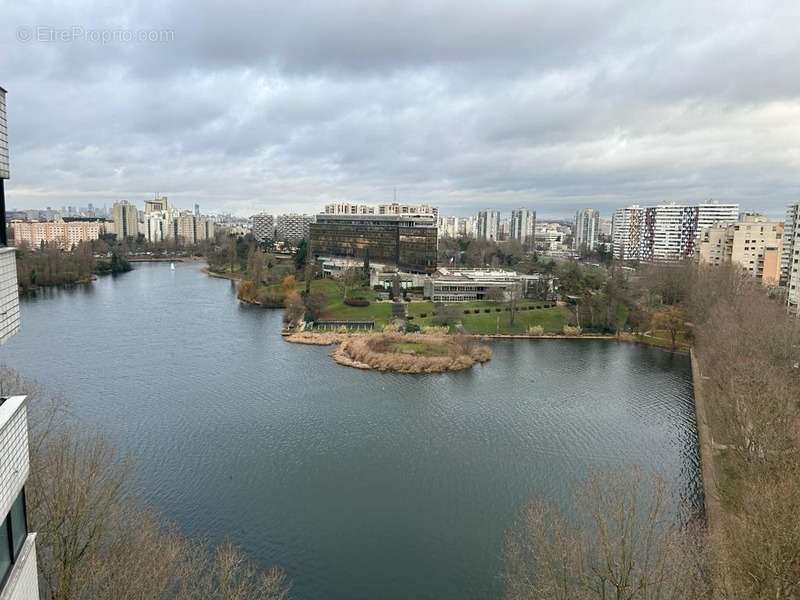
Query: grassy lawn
[(552, 320)]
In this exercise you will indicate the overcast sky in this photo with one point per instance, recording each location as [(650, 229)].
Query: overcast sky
[(284, 106)]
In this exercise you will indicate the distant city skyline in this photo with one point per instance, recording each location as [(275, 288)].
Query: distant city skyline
[(549, 105)]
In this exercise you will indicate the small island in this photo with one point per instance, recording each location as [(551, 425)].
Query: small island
[(401, 353)]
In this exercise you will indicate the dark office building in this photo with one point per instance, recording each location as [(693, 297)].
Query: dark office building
[(407, 241)]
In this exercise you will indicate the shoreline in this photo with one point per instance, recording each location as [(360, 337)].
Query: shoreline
[(377, 351), (329, 338), (712, 503)]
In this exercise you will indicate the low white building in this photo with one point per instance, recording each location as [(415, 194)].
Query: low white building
[(466, 285)]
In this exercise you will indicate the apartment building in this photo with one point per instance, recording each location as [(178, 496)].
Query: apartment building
[(292, 227), (523, 226), (67, 234), (345, 208), (489, 225), (790, 261), (754, 243), (449, 227), (264, 227), (626, 232), (18, 573), (587, 229), (156, 204), (667, 232), (126, 219), (407, 209)]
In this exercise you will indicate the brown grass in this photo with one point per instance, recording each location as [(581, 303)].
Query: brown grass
[(389, 352)]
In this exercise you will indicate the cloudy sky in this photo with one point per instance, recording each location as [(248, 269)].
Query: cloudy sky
[(278, 106)]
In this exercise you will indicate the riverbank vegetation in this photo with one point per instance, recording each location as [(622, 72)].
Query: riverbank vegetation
[(96, 539), (748, 351), (51, 265), (411, 353)]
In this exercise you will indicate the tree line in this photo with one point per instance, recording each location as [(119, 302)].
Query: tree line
[(50, 264), (622, 539)]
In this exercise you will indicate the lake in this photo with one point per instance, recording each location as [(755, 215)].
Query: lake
[(359, 484)]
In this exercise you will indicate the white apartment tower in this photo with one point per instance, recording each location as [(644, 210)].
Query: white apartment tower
[(126, 220), (790, 262), (667, 232), (523, 226), (626, 232), (18, 576), (587, 229), (489, 225)]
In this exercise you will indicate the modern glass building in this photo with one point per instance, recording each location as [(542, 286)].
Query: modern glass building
[(406, 241)]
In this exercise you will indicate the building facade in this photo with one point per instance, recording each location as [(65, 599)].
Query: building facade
[(156, 204), (467, 285), (489, 225), (408, 242), (18, 573), (754, 243), (292, 227), (790, 261), (587, 229), (126, 219), (523, 226), (263, 227), (668, 232), (67, 234)]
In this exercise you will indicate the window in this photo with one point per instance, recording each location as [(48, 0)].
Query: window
[(5, 552), (19, 525), (13, 531)]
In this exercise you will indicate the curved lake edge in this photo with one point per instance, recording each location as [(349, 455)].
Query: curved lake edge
[(320, 469)]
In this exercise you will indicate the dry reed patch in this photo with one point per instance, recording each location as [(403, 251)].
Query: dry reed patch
[(411, 353)]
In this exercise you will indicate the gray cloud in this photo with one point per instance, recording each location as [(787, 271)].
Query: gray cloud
[(284, 106)]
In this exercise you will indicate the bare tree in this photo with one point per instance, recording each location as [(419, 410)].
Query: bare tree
[(622, 543), (95, 540)]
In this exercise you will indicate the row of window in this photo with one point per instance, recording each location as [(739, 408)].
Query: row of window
[(13, 532)]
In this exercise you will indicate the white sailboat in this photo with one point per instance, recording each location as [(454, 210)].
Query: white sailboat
[(172, 266)]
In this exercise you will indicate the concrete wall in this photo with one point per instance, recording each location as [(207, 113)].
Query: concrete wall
[(9, 294)]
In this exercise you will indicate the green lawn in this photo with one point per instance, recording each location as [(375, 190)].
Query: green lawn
[(552, 320)]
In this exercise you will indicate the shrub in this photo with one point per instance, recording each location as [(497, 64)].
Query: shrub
[(356, 302), (467, 312), (487, 310), (572, 331), (423, 315), (410, 317), (477, 311), (536, 330), (411, 328), (270, 298), (498, 309)]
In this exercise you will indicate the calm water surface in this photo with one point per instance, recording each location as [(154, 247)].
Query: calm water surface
[(360, 484)]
